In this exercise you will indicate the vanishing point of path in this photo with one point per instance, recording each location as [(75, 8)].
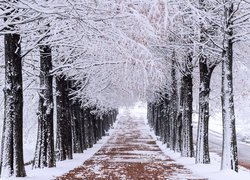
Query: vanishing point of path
[(130, 154)]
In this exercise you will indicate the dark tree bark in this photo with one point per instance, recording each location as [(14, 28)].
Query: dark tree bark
[(99, 127), (178, 128), (149, 113), (88, 125), (93, 119), (63, 133), (153, 115), (206, 68), (166, 120), (229, 145), (156, 119), (202, 147), (3, 139), (76, 116), (44, 153), (173, 106), (104, 122), (161, 121), (187, 149), (83, 129), (78, 128), (12, 144)]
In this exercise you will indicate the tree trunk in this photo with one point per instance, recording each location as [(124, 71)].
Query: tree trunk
[(229, 145), (166, 120), (202, 147), (99, 128), (64, 134), (12, 156), (150, 114), (103, 124), (178, 143), (161, 124), (187, 149), (93, 119), (173, 107), (44, 153), (83, 130), (88, 126), (78, 129), (3, 135), (157, 119)]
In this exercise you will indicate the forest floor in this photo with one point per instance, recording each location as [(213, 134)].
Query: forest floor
[(131, 153)]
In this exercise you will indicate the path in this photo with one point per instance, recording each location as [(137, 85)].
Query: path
[(130, 154)]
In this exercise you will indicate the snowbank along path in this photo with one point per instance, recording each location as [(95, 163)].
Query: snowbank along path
[(130, 154)]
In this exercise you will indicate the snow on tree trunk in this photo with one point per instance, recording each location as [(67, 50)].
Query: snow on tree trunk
[(178, 129), (166, 119), (154, 120), (44, 153), (202, 147), (150, 114), (64, 135), (173, 107), (161, 123), (205, 69), (76, 118), (83, 129), (187, 149), (3, 137), (93, 118), (104, 124), (99, 128), (12, 163), (229, 144), (79, 143), (157, 119), (90, 128)]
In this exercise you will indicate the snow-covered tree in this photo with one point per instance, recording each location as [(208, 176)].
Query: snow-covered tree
[(229, 149), (208, 59), (12, 163)]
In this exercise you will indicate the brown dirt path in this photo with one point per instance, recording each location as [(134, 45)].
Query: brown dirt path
[(130, 154)]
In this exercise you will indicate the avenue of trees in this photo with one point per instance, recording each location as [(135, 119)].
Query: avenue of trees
[(91, 57), (202, 34)]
